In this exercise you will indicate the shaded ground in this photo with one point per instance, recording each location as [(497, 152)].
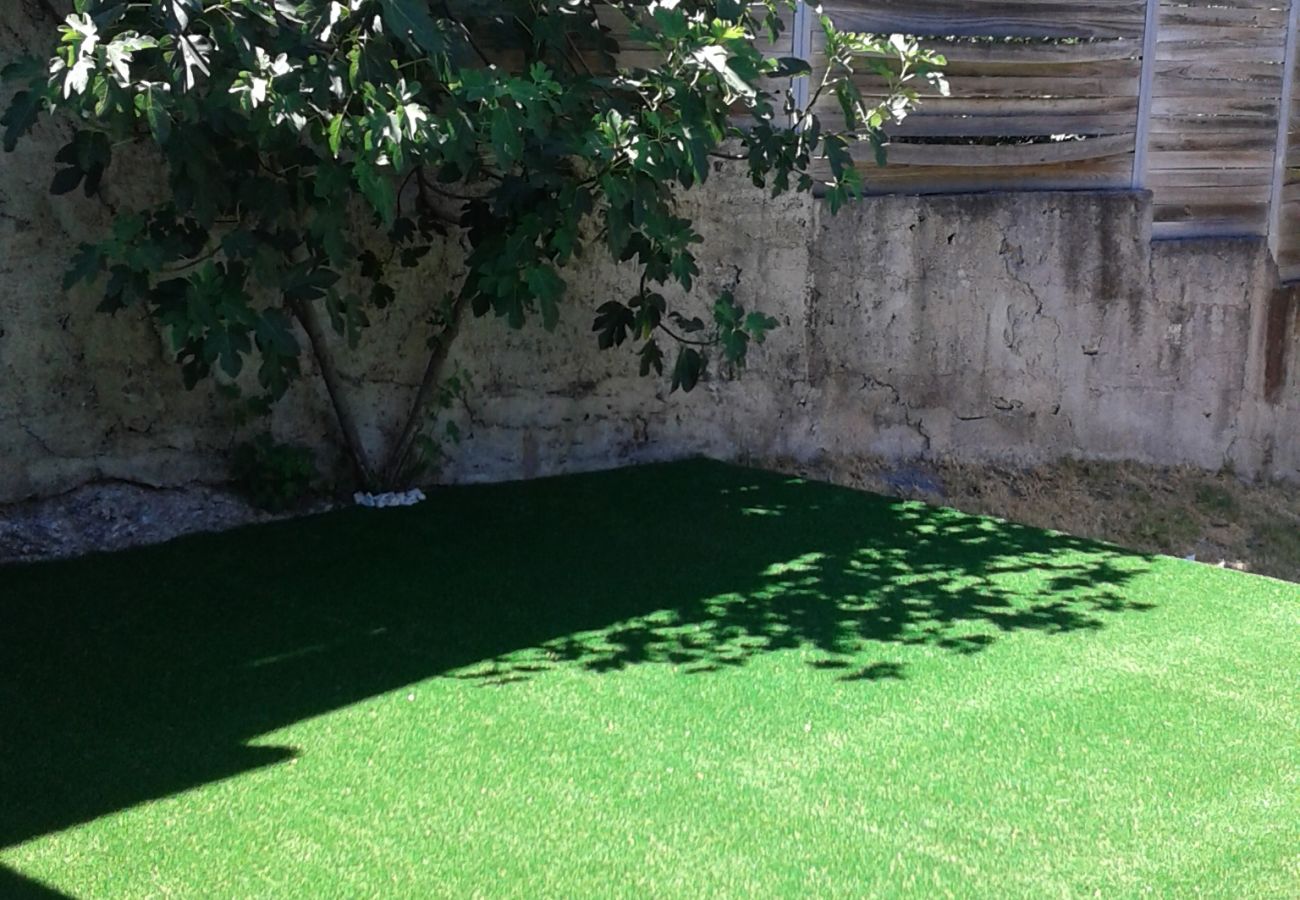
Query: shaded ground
[(1215, 517), (686, 679), (115, 515)]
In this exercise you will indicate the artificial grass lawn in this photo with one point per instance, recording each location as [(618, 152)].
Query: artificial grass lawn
[(682, 680)]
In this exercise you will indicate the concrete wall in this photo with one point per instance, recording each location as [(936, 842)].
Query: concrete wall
[(1033, 326), (1002, 326)]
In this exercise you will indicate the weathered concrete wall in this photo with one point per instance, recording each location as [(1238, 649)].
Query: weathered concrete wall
[(1033, 326), (1024, 327), (1011, 327)]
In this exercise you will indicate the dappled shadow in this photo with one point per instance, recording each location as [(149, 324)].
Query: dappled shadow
[(133, 676), (931, 577)]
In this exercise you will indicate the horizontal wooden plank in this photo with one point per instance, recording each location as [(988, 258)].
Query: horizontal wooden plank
[(894, 179), (1210, 106), (1209, 228), (1020, 53), (977, 155), (1234, 141), (1238, 4), (997, 106), (1029, 125), (1209, 68), (1216, 195), (1289, 267), (1227, 14), (974, 86), (1251, 218), (1211, 159), (1223, 51), (1010, 64), (1194, 125), (1005, 18), (1220, 89), (1177, 178), (1264, 39)]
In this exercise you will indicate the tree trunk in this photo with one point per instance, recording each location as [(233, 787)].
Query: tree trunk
[(306, 314), (401, 451)]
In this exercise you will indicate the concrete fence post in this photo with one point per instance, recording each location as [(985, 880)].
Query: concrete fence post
[(1275, 200), (1142, 139), (801, 48)]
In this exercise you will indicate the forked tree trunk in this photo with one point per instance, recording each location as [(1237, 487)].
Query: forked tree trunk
[(401, 451), (307, 316), (399, 454)]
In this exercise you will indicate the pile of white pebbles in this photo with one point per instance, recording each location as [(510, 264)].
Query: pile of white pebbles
[(393, 498)]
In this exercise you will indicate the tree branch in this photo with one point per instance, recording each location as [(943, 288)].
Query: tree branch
[(189, 264), (685, 340)]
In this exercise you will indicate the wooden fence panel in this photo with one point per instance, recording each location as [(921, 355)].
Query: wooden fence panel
[(1057, 95), (1044, 94), (1217, 91)]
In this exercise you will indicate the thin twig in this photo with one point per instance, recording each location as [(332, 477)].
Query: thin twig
[(685, 340), (171, 270)]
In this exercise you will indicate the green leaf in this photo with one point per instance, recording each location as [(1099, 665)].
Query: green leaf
[(689, 368), (688, 326), (547, 288), (791, 67), (336, 134), (346, 316), (410, 20), (613, 322), (725, 311), (307, 281), (878, 148), (382, 295), (378, 188), (115, 297), (716, 58), (758, 325), (650, 308), (651, 358), (156, 114), (837, 154), (239, 244), (227, 346), (87, 263), (507, 141), (194, 55), (26, 68), (66, 180), (179, 12), (20, 117), (735, 344), (274, 334), (94, 176)]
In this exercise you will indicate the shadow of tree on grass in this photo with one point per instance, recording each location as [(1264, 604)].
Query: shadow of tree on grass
[(932, 577), (133, 676)]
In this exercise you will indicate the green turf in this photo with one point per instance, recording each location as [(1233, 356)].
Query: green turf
[(686, 680)]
